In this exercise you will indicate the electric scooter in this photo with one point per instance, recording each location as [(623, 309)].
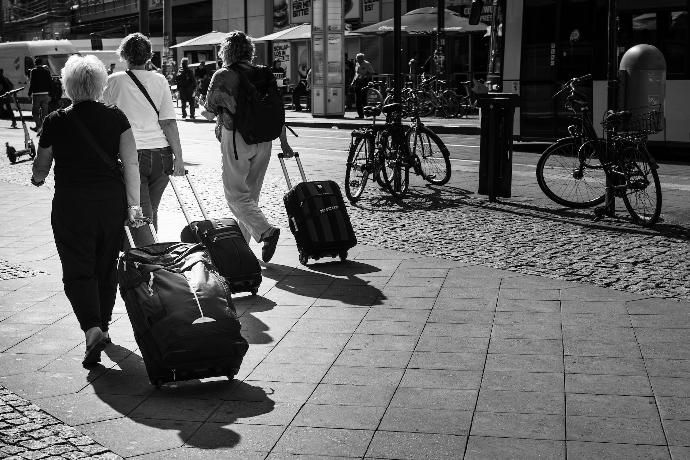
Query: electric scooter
[(29, 147)]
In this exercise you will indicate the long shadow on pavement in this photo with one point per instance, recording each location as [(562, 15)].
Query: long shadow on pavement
[(183, 405), (335, 281)]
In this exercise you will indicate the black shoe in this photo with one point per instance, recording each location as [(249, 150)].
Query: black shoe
[(359, 117), (270, 244), (14, 125)]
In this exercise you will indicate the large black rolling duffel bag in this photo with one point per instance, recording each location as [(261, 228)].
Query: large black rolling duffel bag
[(181, 311), (223, 238), (318, 217)]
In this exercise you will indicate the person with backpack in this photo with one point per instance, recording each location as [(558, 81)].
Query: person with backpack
[(249, 115), (145, 98), (186, 84)]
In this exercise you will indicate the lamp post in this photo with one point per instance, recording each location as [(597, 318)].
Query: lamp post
[(144, 17), (397, 41), (612, 87), (439, 57)]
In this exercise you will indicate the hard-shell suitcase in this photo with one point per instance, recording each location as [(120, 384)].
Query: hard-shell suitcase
[(181, 312), (318, 217), (223, 238)]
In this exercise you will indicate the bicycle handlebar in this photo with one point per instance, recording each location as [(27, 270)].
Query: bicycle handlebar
[(11, 92), (570, 84)]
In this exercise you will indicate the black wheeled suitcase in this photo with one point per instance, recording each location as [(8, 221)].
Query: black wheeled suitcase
[(181, 312), (223, 238), (318, 217)]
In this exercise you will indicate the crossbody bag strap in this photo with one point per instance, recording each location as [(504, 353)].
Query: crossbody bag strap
[(143, 90), (91, 141)]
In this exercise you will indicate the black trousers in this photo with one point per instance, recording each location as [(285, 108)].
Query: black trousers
[(88, 235), (360, 95)]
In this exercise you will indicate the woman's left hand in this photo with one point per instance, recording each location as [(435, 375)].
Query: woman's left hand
[(135, 217)]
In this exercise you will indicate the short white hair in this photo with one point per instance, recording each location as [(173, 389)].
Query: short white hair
[(84, 78)]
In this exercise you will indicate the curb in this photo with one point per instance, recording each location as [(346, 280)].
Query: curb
[(344, 124)]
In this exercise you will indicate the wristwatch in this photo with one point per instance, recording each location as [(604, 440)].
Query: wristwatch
[(134, 207)]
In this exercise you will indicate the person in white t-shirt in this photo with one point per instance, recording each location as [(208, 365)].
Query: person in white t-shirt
[(153, 122)]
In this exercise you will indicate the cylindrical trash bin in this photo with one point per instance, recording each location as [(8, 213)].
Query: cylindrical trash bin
[(496, 144)]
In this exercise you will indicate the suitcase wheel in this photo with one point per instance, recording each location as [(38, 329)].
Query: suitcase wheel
[(343, 256), (303, 259), (254, 291)]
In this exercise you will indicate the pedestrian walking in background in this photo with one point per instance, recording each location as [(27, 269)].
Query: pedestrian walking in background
[(40, 82), (364, 73), (186, 84), (151, 113), (201, 71), (93, 196), (302, 89), (244, 165), (6, 102)]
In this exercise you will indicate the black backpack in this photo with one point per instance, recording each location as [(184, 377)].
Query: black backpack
[(55, 91), (260, 113)]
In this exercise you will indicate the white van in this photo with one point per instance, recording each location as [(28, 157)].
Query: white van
[(17, 60), (107, 57)]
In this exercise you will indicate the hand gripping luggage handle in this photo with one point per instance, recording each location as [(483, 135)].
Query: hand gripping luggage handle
[(196, 196), (281, 157), (130, 239)]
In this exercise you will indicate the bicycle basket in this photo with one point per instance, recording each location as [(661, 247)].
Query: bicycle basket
[(638, 123)]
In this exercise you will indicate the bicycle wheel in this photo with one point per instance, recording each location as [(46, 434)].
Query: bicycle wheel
[(358, 169), (571, 174), (451, 103), (642, 197), (395, 173), (431, 155), (425, 104)]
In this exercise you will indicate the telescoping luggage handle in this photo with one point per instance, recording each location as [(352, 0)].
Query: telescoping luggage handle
[(152, 229), (281, 157), (196, 196)]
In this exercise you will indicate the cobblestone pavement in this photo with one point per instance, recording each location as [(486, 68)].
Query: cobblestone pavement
[(27, 432), (454, 223)]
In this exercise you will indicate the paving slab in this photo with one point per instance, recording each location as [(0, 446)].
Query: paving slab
[(392, 355)]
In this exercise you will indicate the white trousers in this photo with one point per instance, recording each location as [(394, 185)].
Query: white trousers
[(242, 179)]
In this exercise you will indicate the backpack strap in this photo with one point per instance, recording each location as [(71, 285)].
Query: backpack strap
[(143, 90), (244, 81)]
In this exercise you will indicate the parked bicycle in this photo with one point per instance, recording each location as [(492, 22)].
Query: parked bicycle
[(573, 171), (387, 153)]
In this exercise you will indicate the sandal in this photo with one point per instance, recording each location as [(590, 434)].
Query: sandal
[(93, 351)]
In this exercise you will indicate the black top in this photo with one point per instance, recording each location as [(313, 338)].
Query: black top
[(76, 165), (40, 80)]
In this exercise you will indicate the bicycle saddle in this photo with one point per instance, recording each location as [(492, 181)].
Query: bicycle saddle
[(391, 108), (371, 111)]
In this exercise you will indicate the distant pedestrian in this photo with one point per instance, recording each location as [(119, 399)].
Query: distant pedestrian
[(6, 102), (186, 84), (152, 116), (244, 165), (364, 73), (201, 71), (93, 199), (40, 83), (302, 89)]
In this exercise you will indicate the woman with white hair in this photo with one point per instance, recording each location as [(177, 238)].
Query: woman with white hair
[(93, 198), (145, 98), (244, 165)]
